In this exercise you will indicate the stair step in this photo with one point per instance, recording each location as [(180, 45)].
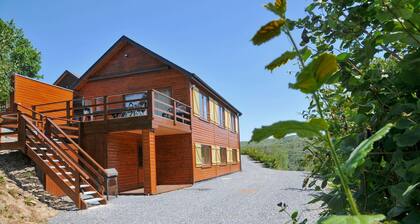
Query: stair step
[(86, 196), (65, 127), (67, 180), (70, 136), (84, 185), (48, 154), (54, 160), (56, 140), (42, 148), (90, 192), (53, 167), (93, 201), (9, 126), (68, 173)]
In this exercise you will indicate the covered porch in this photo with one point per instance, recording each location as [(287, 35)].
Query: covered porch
[(150, 161)]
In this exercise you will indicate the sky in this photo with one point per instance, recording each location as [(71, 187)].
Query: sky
[(208, 38)]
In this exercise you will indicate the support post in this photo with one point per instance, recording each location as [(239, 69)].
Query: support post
[(68, 112), (174, 110), (21, 130), (149, 161), (34, 115), (105, 99), (150, 102)]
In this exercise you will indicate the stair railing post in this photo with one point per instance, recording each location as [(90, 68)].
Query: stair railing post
[(34, 115), (48, 128), (21, 130), (68, 112), (77, 189), (105, 101), (174, 110), (150, 103)]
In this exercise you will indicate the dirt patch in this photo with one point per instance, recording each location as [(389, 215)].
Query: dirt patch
[(21, 170), (18, 206)]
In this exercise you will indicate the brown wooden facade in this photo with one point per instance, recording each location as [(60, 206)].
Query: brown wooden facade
[(158, 147)]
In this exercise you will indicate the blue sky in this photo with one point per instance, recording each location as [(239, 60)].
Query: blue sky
[(209, 38)]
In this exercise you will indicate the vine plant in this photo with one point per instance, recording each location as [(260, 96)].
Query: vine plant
[(390, 29)]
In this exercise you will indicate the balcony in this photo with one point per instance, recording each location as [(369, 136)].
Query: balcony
[(124, 112)]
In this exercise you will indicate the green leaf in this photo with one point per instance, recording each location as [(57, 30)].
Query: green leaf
[(294, 215), (357, 157), (278, 8), (343, 56), (280, 129), (410, 189), (268, 31), (283, 59), (357, 219), (286, 56), (305, 53), (314, 75), (410, 137)]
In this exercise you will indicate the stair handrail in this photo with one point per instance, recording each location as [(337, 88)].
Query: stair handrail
[(44, 116), (64, 155), (85, 155), (74, 194)]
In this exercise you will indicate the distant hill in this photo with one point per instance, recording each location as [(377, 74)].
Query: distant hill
[(288, 150)]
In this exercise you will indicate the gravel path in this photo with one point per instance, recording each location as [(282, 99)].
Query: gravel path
[(250, 196)]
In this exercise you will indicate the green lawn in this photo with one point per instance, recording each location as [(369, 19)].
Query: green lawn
[(284, 154)]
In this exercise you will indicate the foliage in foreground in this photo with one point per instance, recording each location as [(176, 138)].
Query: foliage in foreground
[(16, 56), (285, 154), (359, 64)]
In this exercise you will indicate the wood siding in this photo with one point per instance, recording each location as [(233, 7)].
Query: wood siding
[(95, 145), (149, 161), (208, 133), (173, 154), (122, 155), (30, 92), (136, 60)]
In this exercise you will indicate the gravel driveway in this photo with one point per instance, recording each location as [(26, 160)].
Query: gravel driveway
[(250, 196)]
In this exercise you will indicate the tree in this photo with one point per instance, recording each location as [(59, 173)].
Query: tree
[(363, 79), (17, 55)]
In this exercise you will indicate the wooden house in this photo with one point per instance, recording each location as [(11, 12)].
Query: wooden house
[(156, 123)]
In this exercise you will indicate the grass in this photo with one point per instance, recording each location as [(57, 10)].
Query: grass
[(284, 154)]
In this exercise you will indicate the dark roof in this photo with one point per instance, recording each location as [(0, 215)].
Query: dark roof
[(66, 80), (120, 42)]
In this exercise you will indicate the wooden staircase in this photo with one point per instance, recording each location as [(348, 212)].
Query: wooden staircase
[(54, 149)]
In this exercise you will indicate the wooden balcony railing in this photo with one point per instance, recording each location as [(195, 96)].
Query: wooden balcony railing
[(138, 104)]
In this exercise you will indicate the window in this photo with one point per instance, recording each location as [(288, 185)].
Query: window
[(227, 119), (202, 155), (221, 113), (204, 106), (213, 111), (215, 157), (232, 122), (229, 156), (137, 102), (223, 156), (200, 104), (164, 103), (234, 155), (99, 101)]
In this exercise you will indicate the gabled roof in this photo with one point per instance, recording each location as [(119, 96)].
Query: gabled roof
[(125, 40), (66, 80)]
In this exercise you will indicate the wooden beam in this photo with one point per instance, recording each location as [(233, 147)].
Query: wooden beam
[(149, 161), (137, 72)]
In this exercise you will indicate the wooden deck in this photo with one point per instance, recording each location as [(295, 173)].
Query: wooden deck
[(160, 189)]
